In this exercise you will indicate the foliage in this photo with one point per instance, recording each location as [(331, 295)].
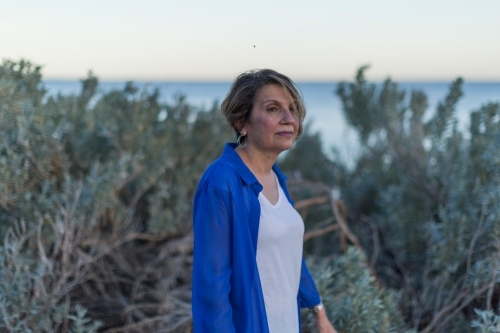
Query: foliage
[(431, 192), (82, 324), (488, 322), (95, 192), (353, 299), (309, 161), (29, 291), (422, 204)]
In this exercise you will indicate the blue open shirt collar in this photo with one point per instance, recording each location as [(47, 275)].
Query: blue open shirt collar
[(241, 168)]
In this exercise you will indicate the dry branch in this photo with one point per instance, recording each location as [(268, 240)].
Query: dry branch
[(343, 225), (311, 202), (320, 232), (446, 314)]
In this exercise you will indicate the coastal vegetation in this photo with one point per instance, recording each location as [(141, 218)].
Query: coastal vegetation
[(96, 194)]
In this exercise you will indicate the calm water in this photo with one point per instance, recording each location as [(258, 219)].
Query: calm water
[(323, 106)]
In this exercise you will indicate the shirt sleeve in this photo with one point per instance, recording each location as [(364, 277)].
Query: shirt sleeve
[(211, 307), (308, 293)]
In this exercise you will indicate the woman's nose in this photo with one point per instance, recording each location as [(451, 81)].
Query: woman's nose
[(287, 116)]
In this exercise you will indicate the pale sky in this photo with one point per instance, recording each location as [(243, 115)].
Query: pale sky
[(215, 39)]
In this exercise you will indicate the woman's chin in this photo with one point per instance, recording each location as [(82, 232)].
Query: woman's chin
[(285, 146)]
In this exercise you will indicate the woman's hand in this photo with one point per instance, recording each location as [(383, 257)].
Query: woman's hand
[(322, 323)]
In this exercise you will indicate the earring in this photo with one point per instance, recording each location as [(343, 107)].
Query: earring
[(238, 141)]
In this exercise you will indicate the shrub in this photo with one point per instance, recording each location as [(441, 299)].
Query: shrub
[(95, 204)]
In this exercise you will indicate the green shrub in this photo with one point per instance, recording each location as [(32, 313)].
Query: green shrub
[(423, 202), (354, 301), (431, 192), (96, 196), (102, 185), (487, 322)]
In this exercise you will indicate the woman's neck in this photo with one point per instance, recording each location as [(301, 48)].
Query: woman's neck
[(260, 163)]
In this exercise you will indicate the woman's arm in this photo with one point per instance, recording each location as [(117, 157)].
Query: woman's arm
[(322, 323), (212, 310)]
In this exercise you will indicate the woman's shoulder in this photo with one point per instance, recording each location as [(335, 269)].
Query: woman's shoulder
[(220, 175)]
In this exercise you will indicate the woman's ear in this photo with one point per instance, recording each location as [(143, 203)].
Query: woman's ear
[(242, 128), (244, 131)]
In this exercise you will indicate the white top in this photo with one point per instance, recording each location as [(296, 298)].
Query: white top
[(279, 260)]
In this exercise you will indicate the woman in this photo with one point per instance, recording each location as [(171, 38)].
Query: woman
[(248, 272)]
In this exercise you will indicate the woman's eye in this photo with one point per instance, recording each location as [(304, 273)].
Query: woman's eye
[(272, 109)]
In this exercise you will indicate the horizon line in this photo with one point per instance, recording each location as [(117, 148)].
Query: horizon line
[(229, 81)]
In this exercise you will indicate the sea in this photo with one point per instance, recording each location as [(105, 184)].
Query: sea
[(324, 109)]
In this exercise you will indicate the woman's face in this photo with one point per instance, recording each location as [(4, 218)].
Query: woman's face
[(274, 121)]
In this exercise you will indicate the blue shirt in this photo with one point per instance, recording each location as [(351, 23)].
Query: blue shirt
[(227, 294)]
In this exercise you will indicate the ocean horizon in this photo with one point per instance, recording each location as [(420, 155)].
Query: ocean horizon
[(324, 109)]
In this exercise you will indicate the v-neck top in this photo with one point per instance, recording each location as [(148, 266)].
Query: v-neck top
[(279, 258)]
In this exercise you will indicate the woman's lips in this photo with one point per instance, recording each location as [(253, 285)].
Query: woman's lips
[(285, 133)]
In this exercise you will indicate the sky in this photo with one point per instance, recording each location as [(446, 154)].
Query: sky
[(308, 40)]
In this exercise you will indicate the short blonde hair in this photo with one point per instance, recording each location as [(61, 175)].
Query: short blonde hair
[(239, 101)]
